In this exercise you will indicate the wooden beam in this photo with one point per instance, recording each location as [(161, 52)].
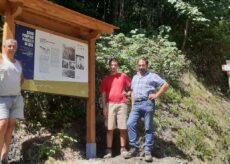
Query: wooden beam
[(16, 1), (17, 12), (93, 35), (2, 6), (53, 25)]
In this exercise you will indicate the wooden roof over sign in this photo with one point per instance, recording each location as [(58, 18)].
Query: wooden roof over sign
[(54, 17)]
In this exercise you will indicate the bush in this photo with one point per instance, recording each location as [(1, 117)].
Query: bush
[(163, 55)]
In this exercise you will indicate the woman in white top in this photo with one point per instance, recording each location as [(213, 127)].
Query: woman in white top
[(11, 101)]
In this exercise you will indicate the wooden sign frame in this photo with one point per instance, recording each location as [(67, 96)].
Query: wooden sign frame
[(60, 84)]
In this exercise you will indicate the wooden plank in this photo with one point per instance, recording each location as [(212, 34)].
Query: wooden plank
[(51, 24), (47, 8)]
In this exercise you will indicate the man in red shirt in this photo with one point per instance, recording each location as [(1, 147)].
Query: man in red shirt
[(115, 109)]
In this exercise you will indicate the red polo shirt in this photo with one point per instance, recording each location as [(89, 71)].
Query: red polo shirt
[(114, 86)]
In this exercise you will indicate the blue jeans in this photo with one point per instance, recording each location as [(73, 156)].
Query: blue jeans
[(141, 109)]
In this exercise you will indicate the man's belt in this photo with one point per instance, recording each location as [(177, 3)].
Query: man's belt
[(140, 100)]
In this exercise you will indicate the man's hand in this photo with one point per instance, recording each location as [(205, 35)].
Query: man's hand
[(153, 96), (127, 93), (161, 91), (105, 113)]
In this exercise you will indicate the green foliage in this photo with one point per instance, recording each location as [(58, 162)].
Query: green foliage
[(225, 140), (207, 118), (190, 11), (52, 111), (172, 96), (192, 140), (65, 140), (164, 58), (54, 147), (46, 151)]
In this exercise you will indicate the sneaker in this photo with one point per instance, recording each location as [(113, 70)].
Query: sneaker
[(123, 151), (108, 153), (148, 157), (131, 153)]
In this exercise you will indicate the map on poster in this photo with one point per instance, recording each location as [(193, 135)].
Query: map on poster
[(49, 57)]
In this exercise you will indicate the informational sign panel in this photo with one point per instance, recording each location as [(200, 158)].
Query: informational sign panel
[(52, 63)]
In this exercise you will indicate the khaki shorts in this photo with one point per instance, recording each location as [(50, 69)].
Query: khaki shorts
[(117, 116)]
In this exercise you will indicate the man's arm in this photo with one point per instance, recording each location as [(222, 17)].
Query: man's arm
[(22, 76), (132, 100), (160, 92), (22, 79), (104, 105)]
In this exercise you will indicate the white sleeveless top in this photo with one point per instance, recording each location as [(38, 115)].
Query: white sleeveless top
[(10, 77)]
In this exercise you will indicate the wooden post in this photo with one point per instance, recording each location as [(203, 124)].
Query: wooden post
[(8, 28), (91, 114), (228, 63), (227, 68)]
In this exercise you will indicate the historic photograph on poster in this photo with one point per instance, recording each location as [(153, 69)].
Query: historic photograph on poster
[(80, 62), (68, 53), (68, 73)]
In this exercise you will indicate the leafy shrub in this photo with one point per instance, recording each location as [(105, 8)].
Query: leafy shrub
[(163, 55), (54, 146), (47, 150), (52, 111), (171, 96)]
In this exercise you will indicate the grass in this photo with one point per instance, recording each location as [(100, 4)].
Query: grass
[(199, 119)]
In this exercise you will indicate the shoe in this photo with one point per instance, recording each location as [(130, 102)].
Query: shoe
[(4, 161), (108, 153), (123, 151), (131, 153), (148, 157)]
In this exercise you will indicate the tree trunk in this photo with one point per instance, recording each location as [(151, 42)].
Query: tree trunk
[(185, 34)]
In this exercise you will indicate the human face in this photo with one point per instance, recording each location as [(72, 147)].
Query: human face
[(113, 67), (142, 66), (10, 49)]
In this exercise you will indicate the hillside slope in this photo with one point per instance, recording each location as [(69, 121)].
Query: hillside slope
[(197, 121)]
